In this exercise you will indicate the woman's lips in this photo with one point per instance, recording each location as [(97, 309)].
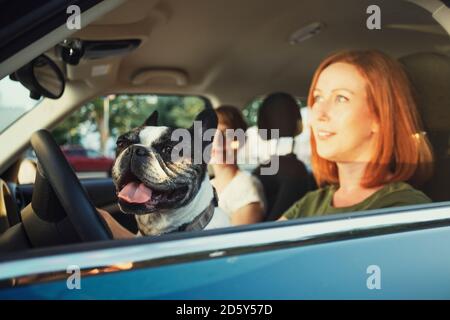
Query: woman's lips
[(324, 134)]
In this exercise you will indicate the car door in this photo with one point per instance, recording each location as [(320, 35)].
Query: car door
[(382, 254)]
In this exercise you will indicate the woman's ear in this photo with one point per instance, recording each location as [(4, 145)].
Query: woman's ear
[(375, 128)]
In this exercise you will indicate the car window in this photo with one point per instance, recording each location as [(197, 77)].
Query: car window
[(93, 154), (15, 101), (76, 152), (230, 71), (90, 133)]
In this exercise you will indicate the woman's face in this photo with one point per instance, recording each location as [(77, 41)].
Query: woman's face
[(223, 147), (343, 126)]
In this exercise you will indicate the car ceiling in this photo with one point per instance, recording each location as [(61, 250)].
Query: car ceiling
[(234, 50)]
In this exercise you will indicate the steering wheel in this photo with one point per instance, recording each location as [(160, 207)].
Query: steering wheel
[(73, 198)]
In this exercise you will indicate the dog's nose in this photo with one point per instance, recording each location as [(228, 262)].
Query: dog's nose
[(140, 151)]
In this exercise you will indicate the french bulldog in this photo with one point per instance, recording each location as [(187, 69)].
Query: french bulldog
[(166, 193)]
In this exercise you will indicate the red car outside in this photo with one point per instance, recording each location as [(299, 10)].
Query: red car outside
[(87, 160)]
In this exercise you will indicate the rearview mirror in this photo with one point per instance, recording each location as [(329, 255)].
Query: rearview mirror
[(42, 77)]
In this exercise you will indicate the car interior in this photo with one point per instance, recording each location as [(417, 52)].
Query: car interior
[(227, 52)]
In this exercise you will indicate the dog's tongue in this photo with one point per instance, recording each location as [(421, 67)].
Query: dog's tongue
[(135, 193)]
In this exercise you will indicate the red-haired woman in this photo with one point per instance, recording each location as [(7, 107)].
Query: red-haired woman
[(367, 141)]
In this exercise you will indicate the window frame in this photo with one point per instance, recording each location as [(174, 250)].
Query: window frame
[(148, 252)]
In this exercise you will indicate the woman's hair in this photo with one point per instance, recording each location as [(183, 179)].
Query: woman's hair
[(231, 117), (402, 151)]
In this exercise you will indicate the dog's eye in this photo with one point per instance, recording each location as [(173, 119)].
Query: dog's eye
[(121, 143), (167, 149)]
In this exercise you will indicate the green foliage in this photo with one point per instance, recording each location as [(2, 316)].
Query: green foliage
[(183, 116), (250, 112), (71, 130), (126, 112)]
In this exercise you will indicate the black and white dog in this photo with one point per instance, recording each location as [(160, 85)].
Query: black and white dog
[(166, 194)]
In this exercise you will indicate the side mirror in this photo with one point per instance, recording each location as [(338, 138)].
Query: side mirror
[(42, 77)]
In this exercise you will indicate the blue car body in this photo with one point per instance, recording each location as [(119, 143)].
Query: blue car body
[(321, 258)]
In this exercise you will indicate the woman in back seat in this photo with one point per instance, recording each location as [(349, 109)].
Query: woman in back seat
[(240, 194), (367, 141)]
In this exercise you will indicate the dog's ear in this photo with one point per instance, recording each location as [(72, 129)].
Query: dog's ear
[(208, 119), (152, 120), (203, 129)]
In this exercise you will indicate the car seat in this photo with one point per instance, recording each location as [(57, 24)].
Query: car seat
[(291, 182), (430, 77)]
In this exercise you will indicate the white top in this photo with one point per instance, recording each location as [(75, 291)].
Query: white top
[(242, 190), (219, 220)]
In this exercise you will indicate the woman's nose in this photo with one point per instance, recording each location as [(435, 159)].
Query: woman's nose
[(320, 111)]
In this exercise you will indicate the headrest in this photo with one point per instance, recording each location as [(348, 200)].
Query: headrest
[(430, 77), (280, 111)]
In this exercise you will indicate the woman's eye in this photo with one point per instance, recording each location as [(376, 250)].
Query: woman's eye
[(341, 99), (317, 99)]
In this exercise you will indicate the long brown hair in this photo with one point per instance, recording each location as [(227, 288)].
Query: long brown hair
[(402, 152), (231, 117)]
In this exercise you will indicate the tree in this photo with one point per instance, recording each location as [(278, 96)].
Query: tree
[(127, 112)]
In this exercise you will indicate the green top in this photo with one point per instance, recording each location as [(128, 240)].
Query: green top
[(319, 202)]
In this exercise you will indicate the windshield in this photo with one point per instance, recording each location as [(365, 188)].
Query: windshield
[(15, 101)]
